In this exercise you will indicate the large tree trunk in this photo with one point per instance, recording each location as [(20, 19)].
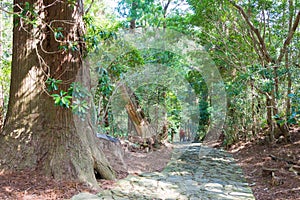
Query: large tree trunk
[(37, 134)]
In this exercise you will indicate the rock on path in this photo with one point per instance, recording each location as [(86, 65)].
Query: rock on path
[(194, 172)]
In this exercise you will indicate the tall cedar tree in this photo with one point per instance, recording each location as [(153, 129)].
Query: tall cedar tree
[(37, 134)]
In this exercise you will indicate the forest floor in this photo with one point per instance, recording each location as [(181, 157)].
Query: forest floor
[(252, 157), (30, 185), (285, 165)]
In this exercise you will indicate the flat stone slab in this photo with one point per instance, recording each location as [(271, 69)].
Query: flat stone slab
[(84, 196), (194, 172)]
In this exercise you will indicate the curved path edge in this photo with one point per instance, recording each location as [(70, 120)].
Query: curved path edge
[(194, 172)]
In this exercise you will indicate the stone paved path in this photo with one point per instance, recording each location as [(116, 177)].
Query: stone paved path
[(194, 172)]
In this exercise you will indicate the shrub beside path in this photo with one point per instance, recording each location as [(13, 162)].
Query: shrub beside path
[(194, 172)]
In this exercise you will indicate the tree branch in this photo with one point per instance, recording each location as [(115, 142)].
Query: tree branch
[(289, 37), (89, 8), (255, 46), (166, 7), (6, 11), (263, 48)]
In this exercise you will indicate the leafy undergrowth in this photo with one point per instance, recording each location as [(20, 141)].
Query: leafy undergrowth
[(283, 183)]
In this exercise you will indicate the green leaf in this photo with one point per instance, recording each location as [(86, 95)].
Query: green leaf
[(65, 101), (59, 35), (291, 95), (53, 84)]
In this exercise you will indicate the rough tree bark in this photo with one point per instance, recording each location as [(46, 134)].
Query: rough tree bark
[(37, 134), (137, 117)]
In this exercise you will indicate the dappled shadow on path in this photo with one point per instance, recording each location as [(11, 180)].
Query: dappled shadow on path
[(187, 176)]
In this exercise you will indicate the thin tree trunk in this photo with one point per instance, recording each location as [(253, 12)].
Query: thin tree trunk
[(1, 87), (287, 67), (279, 129), (289, 87), (165, 7), (133, 16), (269, 118), (253, 126)]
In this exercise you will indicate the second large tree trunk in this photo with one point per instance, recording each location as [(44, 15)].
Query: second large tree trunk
[(137, 118)]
